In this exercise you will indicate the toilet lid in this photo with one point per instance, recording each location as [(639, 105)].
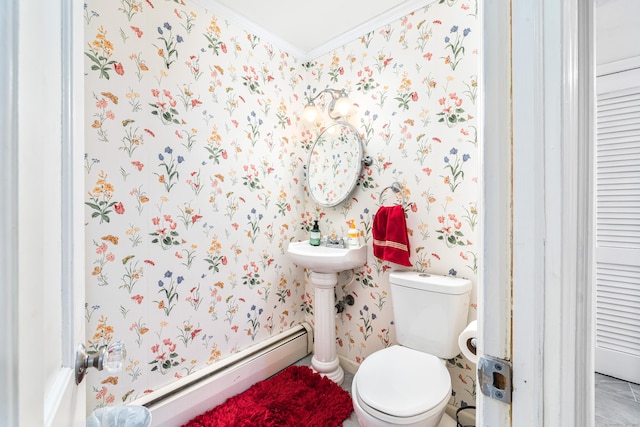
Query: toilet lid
[(402, 382)]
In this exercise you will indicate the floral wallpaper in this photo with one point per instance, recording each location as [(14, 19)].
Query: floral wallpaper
[(195, 181)]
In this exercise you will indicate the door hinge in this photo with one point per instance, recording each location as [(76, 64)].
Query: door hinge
[(494, 376)]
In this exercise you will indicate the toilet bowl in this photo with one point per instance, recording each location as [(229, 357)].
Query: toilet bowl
[(408, 384), (404, 387)]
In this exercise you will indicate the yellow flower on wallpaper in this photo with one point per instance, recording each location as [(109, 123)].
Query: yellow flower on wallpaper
[(100, 51)]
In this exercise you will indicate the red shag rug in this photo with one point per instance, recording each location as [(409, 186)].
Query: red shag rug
[(296, 396)]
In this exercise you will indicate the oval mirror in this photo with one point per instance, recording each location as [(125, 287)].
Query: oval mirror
[(334, 164)]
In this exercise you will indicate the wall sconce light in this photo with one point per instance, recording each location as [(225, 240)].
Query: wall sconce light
[(339, 107), (110, 357)]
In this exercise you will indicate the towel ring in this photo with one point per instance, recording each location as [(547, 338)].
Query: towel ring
[(396, 187)]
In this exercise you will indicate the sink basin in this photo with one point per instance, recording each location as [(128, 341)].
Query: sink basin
[(323, 259)]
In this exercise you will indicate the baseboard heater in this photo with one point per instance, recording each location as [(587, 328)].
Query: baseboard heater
[(177, 403)]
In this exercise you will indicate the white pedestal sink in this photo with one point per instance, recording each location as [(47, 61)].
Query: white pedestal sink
[(325, 263)]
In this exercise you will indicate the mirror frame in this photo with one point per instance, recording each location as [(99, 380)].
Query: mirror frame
[(356, 173)]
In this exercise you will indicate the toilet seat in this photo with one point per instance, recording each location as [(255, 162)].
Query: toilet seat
[(401, 383)]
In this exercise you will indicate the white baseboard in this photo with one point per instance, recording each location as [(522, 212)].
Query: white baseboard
[(178, 403), (467, 418), (348, 364)]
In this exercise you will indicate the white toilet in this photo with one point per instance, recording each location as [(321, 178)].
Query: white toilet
[(408, 384)]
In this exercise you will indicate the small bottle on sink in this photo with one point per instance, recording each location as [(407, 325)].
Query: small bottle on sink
[(354, 235), (314, 236)]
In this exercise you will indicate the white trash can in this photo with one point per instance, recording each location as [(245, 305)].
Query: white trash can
[(120, 416)]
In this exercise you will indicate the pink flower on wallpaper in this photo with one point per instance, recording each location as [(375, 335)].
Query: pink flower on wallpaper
[(102, 393), (119, 208), (137, 31)]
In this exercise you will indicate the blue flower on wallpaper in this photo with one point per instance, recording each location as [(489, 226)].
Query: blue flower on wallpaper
[(167, 26), (453, 272)]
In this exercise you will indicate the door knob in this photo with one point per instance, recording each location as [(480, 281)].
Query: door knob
[(110, 357)]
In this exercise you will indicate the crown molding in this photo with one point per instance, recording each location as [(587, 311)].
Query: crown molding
[(396, 12)]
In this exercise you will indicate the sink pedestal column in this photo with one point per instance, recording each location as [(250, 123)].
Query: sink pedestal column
[(325, 361)]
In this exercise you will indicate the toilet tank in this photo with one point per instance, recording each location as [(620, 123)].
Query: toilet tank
[(429, 311)]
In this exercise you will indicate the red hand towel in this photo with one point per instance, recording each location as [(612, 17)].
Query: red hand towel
[(390, 238)]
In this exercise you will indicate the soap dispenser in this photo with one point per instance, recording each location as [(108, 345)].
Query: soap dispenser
[(354, 235), (314, 236)]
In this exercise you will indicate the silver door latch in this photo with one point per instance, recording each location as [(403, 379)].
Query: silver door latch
[(494, 376)]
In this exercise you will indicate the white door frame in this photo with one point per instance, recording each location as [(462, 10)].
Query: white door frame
[(41, 213), (8, 213), (538, 82)]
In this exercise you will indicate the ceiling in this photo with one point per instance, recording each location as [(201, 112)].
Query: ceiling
[(308, 29)]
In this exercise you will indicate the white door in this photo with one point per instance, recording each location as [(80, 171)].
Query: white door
[(617, 254), (42, 216)]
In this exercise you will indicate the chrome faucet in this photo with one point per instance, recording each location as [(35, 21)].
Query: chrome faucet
[(334, 243)]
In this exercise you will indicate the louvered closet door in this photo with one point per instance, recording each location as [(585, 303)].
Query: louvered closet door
[(618, 225)]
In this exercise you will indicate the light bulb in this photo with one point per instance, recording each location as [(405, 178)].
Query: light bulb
[(342, 106), (311, 113)]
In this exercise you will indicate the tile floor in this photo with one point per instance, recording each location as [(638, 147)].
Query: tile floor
[(617, 402)]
